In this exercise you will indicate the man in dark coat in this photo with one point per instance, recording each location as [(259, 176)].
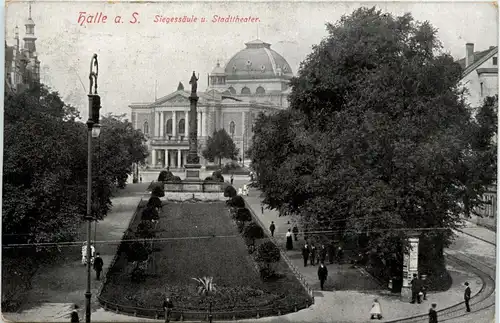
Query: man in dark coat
[(272, 227), (433, 315), (322, 274), (322, 253), (467, 297), (74, 315), (416, 288), (167, 307), (305, 254), (232, 179), (425, 286), (98, 263)]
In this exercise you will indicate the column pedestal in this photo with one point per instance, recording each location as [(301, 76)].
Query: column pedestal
[(192, 165)]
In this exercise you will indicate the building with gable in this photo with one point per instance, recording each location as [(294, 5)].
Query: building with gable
[(255, 80), (22, 67), (480, 78)]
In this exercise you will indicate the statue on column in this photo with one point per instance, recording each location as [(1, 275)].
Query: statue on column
[(194, 83)]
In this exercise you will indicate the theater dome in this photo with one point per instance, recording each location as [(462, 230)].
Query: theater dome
[(257, 61)]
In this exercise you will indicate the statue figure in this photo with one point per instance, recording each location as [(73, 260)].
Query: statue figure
[(194, 83)]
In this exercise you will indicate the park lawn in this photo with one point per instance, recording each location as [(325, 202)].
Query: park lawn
[(205, 242)]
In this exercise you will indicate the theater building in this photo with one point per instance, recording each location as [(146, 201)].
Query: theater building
[(254, 80)]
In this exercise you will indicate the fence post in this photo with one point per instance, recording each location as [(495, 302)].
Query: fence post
[(258, 315), (135, 313), (181, 318), (295, 308)]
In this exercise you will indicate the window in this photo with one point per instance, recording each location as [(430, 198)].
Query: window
[(481, 88), (145, 128), (260, 90), (182, 127), (495, 61), (232, 90), (245, 90), (231, 128), (168, 128)]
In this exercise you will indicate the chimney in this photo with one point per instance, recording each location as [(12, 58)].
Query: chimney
[(469, 54)]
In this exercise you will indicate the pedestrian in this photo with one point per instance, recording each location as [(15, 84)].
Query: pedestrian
[(98, 263), (340, 254), (425, 286), (322, 274), (232, 179), (433, 315), (240, 191), (289, 241), (331, 252), (167, 307), (313, 254), (272, 227), (416, 288), (305, 253), (262, 208), (467, 297), (140, 178), (376, 311), (295, 231), (322, 253), (74, 315)]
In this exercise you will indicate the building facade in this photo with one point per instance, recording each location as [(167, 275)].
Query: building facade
[(480, 78), (254, 80), (22, 67)]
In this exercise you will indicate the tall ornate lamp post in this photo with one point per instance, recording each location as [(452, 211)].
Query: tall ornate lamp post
[(94, 129)]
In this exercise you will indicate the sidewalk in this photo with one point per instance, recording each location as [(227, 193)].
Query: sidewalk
[(479, 232), (56, 288), (340, 305)]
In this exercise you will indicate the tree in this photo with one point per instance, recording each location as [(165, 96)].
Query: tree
[(243, 215), (219, 146), (207, 288), (375, 138), (237, 202), (252, 232), (268, 254), (217, 176)]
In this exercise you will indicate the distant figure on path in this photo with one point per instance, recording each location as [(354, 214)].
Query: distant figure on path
[(376, 311), (305, 254), (467, 297), (167, 307), (240, 191), (74, 315), (289, 240), (322, 253), (425, 286), (433, 315), (262, 208), (272, 227), (313, 254), (416, 288), (232, 179), (98, 264), (295, 231), (322, 274), (140, 179)]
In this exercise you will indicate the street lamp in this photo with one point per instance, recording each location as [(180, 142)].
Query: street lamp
[(94, 129)]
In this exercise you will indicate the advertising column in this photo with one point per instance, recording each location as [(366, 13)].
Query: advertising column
[(410, 266)]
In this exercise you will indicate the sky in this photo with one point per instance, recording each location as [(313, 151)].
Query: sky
[(135, 57)]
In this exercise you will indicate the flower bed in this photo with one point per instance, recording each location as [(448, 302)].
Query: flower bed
[(202, 241)]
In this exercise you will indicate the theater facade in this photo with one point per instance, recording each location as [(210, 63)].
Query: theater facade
[(254, 80)]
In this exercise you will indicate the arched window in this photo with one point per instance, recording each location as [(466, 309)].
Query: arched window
[(245, 90), (231, 128), (260, 90), (232, 90), (168, 128), (145, 128), (182, 127)]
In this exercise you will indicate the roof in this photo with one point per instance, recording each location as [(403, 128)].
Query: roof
[(257, 61), (479, 58)]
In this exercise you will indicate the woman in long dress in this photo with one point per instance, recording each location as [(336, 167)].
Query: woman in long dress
[(289, 240), (376, 311)]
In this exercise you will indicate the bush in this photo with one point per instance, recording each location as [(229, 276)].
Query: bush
[(150, 213), (237, 201), (217, 176), (253, 231), (209, 179), (138, 275), (137, 252), (165, 175), (175, 179), (243, 214), (268, 253), (158, 190), (230, 191), (232, 165), (154, 201)]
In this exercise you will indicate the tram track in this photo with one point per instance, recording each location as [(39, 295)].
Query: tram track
[(481, 301)]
